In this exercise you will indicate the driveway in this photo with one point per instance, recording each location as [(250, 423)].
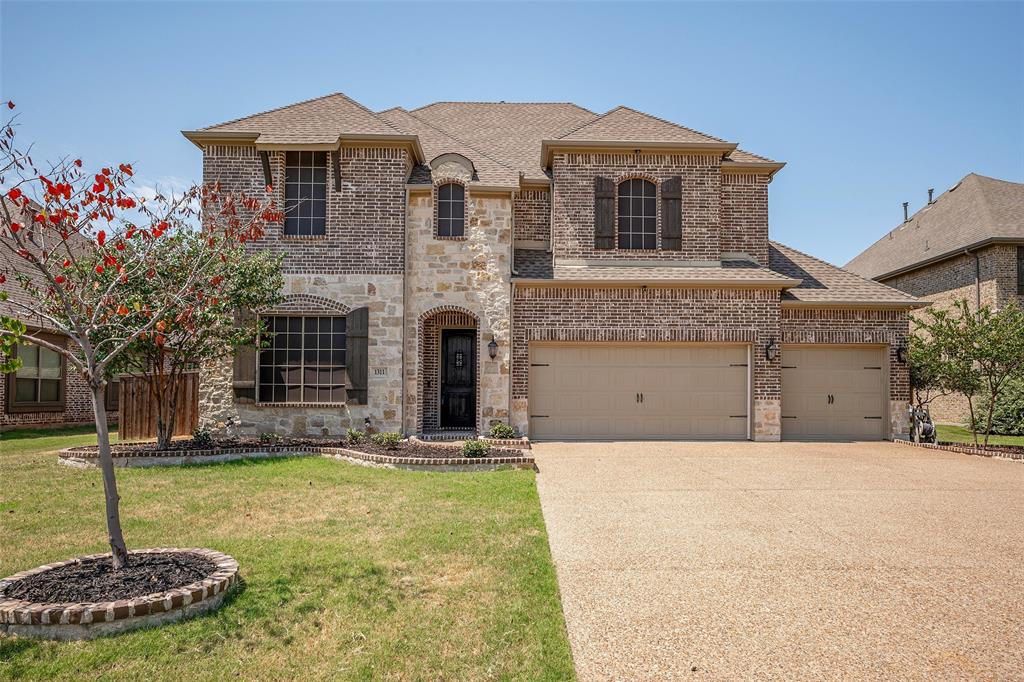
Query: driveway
[(786, 560)]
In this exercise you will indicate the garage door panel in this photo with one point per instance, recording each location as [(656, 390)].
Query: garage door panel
[(833, 392), (590, 391)]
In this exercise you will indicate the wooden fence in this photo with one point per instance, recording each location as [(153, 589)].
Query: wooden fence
[(137, 409)]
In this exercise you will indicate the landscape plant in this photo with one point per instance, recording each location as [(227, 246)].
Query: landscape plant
[(386, 439), (89, 256), (502, 431), (475, 448)]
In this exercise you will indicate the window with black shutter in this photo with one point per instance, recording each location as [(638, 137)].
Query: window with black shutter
[(304, 360), (305, 194), (638, 214), (1020, 270)]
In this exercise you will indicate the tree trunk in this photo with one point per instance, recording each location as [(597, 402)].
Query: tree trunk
[(974, 423), (988, 421), (118, 550)]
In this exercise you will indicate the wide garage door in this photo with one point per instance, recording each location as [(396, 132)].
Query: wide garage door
[(651, 391), (833, 393)]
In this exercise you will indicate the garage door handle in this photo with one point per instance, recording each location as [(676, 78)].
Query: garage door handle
[(641, 398)]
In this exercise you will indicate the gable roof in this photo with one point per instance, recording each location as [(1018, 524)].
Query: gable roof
[(436, 142), (824, 283), (316, 121), (975, 211), (511, 132), (625, 124)]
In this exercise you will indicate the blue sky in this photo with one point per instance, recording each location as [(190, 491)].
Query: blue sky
[(870, 104)]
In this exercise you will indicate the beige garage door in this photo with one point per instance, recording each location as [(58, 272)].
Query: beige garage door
[(604, 391), (833, 393)]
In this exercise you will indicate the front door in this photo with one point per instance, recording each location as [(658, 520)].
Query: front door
[(458, 378)]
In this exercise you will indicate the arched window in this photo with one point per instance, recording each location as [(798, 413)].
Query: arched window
[(638, 214), (451, 210)]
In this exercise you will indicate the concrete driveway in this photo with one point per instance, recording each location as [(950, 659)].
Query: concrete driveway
[(786, 560)]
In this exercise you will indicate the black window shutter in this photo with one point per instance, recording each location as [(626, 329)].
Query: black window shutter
[(672, 214), (336, 166), (243, 371), (604, 213), (357, 362), (268, 179)]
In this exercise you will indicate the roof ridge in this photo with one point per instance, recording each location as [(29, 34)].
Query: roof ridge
[(370, 112), (452, 101), (270, 111), (776, 244), (459, 140), (642, 113)]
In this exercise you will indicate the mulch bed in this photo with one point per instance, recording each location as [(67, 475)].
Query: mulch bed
[(187, 445), (420, 449), (94, 580)]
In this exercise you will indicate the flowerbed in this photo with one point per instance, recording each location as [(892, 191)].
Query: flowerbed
[(83, 598)]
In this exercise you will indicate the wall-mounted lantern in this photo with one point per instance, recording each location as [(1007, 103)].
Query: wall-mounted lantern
[(492, 348), (901, 354), (771, 350)]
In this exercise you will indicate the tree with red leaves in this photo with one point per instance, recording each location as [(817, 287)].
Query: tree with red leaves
[(82, 245)]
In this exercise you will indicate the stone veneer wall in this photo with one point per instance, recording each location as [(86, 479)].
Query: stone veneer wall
[(533, 215), (77, 405), (650, 314), (469, 274), (852, 326), (574, 202), (382, 294), (745, 215)]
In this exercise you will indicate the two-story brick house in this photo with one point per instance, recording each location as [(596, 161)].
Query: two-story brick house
[(967, 244), (577, 275)]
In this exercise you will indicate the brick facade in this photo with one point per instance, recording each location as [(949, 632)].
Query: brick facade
[(533, 215), (745, 215)]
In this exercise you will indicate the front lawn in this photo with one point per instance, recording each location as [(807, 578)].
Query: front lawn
[(350, 572), (949, 433)]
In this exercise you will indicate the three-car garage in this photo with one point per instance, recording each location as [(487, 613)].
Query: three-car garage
[(606, 391)]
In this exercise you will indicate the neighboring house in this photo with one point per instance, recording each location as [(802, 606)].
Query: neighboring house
[(577, 275), (966, 245), (45, 391)]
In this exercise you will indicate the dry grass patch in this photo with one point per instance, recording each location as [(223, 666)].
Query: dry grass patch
[(350, 572)]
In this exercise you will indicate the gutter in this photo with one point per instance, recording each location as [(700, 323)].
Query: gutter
[(678, 283), (989, 241)]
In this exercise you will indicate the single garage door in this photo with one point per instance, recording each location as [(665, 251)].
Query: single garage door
[(651, 391), (833, 393)]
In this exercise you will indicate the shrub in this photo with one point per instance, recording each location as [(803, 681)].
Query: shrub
[(387, 439), (355, 436), (202, 437), (503, 431), (1008, 417), (269, 438), (475, 448)]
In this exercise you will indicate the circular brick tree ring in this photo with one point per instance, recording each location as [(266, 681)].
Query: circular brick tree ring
[(88, 620)]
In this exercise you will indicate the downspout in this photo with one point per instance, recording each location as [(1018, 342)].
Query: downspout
[(977, 278), (511, 294), (405, 311)]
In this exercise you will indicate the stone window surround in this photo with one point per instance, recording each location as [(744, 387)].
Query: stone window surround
[(298, 305), (450, 180), (657, 211)]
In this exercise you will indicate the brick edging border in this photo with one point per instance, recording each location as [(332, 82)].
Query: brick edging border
[(129, 456), (91, 619), (966, 450)]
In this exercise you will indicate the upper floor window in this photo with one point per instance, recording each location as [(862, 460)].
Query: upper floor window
[(451, 210), (38, 385), (1020, 270), (638, 214), (304, 361), (305, 194)]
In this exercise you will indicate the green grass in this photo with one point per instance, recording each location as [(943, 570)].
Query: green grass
[(958, 434), (349, 572)]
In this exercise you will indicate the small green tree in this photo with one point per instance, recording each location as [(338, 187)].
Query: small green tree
[(209, 330), (974, 354)]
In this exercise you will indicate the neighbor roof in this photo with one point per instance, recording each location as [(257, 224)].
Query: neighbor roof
[(824, 283), (975, 211)]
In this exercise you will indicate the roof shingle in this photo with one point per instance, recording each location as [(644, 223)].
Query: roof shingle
[(625, 124), (976, 209)]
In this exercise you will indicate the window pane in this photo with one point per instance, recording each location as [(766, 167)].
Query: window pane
[(29, 361), (25, 390), (320, 159), (444, 192), (49, 391), (457, 228), (458, 192), (49, 364), (320, 176)]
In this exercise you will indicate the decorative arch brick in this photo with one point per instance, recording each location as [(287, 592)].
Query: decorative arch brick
[(307, 303)]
